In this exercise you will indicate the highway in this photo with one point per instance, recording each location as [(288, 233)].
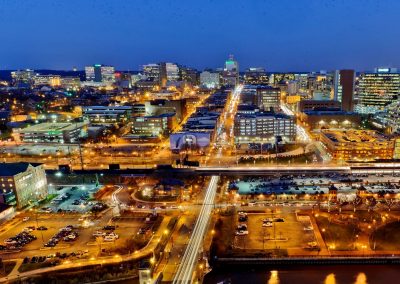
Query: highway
[(189, 260)]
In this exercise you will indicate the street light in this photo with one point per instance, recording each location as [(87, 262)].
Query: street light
[(152, 261)]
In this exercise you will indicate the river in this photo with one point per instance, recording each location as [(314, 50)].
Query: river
[(343, 274)]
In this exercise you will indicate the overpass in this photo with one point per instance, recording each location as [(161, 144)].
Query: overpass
[(248, 170), (188, 262)]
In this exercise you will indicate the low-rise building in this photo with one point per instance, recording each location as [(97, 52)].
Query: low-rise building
[(157, 107), (357, 145), (247, 109), (51, 132), (22, 184), (50, 80), (264, 128), (307, 105), (71, 82), (268, 97), (153, 126), (107, 114), (7, 212), (329, 118), (138, 110)]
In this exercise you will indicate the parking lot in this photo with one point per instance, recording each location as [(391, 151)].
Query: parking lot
[(75, 198), (86, 229), (274, 230)]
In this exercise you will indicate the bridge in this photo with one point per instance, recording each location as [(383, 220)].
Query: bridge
[(249, 170), (188, 262)]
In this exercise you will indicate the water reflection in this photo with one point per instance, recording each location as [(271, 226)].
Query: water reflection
[(274, 278), (361, 278), (340, 274), (330, 279)]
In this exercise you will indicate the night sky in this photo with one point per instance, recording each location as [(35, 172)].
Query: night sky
[(280, 35)]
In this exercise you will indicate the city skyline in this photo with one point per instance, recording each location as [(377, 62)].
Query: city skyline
[(167, 141), (201, 35)]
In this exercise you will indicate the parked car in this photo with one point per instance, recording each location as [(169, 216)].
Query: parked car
[(109, 239), (109, 227), (99, 234), (267, 224), (242, 233)]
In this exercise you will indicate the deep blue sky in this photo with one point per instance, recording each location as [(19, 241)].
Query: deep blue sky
[(281, 35)]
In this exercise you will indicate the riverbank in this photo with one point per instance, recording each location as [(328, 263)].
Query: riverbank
[(304, 274)]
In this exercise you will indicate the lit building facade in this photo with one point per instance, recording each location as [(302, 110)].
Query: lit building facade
[(22, 76), (189, 75), (378, 89), (71, 82), (22, 184), (256, 76), (107, 114), (357, 145), (100, 73), (49, 132), (153, 126), (307, 105), (152, 71), (49, 80), (172, 71), (268, 97), (230, 74), (263, 128), (327, 119), (209, 80)]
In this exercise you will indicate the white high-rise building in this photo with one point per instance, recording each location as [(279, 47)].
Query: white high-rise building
[(209, 80), (100, 73), (172, 71)]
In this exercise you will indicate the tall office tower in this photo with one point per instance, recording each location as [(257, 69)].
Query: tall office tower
[(231, 65), (344, 88), (100, 73), (256, 76), (209, 80), (151, 72), (172, 71), (377, 89), (189, 75), (163, 74), (230, 75), (89, 73), (320, 85), (107, 74), (293, 87)]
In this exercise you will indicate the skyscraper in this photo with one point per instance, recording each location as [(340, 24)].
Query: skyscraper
[(230, 75), (209, 79), (344, 88), (100, 73), (172, 71), (231, 65), (377, 89), (151, 71)]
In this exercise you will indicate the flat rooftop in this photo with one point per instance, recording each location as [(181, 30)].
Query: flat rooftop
[(50, 126), (354, 136)]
